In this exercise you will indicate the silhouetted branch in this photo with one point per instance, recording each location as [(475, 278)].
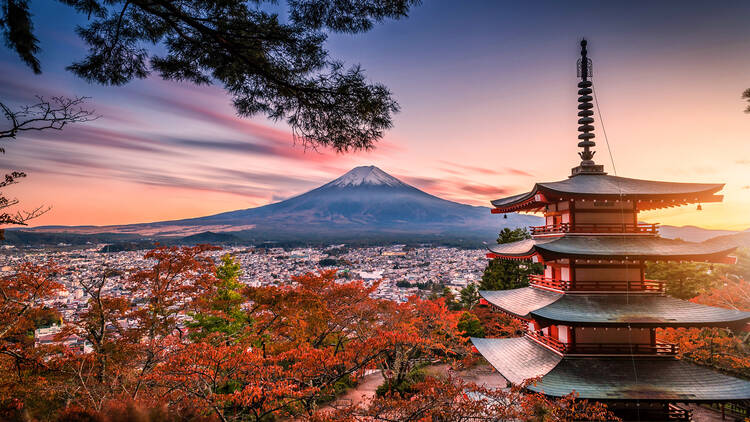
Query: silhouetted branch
[(54, 113)]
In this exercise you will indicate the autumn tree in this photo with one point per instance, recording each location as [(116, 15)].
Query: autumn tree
[(181, 338), (132, 331), (22, 297), (302, 340), (502, 274), (720, 348), (270, 64), (451, 399), (419, 331), (498, 324)]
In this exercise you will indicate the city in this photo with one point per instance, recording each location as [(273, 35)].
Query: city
[(401, 272)]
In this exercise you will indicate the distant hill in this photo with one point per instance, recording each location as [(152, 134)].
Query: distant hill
[(211, 238), (364, 206), (692, 233), (741, 239)]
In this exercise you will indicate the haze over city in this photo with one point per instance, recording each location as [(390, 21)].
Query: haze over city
[(483, 89)]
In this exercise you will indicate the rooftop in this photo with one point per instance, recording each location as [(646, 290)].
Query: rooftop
[(652, 194), (610, 309), (613, 246), (630, 378)]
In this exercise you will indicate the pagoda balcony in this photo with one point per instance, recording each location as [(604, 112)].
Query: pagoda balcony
[(595, 228), (637, 286), (658, 349)]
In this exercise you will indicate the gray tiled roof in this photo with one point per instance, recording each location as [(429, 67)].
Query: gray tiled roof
[(517, 359), (645, 379), (610, 186), (633, 247), (636, 310), (520, 301), (609, 378)]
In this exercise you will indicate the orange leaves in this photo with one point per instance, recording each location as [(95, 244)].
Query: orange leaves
[(719, 348), (452, 399), (264, 353), (732, 294), (497, 324), (23, 293)]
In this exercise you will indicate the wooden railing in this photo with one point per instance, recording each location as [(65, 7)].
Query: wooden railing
[(548, 341), (662, 349), (609, 228), (650, 286), (623, 348), (677, 413)]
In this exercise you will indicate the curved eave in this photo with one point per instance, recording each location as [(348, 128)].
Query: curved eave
[(612, 247), (528, 201), (608, 378), (517, 359), (638, 311), (642, 379), (647, 194), (519, 302)]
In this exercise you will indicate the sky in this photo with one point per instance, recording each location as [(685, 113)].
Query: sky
[(487, 91)]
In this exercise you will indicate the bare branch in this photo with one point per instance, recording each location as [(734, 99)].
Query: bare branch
[(53, 113)]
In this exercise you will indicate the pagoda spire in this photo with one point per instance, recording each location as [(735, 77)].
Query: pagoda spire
[(585, 117)]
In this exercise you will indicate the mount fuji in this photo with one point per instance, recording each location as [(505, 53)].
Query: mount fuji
[(365, 206)]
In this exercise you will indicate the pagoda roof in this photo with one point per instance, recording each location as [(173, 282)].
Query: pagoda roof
[(517, 359), (520, 302), (636, 311), (613, 310), (603, 186), (658, 379), (612, 246)]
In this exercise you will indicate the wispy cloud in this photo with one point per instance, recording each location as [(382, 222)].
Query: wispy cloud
[(484, 189), (481, 170)]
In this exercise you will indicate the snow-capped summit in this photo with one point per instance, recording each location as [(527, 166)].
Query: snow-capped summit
[(366, 175)]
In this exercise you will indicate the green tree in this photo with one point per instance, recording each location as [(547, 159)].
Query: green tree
[(272, 65), (222, 314), (469, 296), (450, 299), (685, 280), (470, 326), (502, 274)]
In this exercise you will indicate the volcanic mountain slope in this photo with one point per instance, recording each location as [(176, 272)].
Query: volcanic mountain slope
[(366, 201)]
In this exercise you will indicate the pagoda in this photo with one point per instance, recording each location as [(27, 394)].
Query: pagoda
[(591, 318)]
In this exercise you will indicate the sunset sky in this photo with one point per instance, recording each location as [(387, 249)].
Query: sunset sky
[(488, 107)]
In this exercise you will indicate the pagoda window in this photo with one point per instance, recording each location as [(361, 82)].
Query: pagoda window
[(608, 273), (562, 333), (614, 217), (599, 335)]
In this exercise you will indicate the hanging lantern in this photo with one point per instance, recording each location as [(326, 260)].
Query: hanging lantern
[(699, 208)]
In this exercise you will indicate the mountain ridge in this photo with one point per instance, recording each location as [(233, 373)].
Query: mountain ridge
[(364, 202)]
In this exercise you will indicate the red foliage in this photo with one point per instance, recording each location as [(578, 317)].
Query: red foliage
[(498, 324), (732, 294), (21, 300), (452, 399), (719, 348), (263, 353)]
